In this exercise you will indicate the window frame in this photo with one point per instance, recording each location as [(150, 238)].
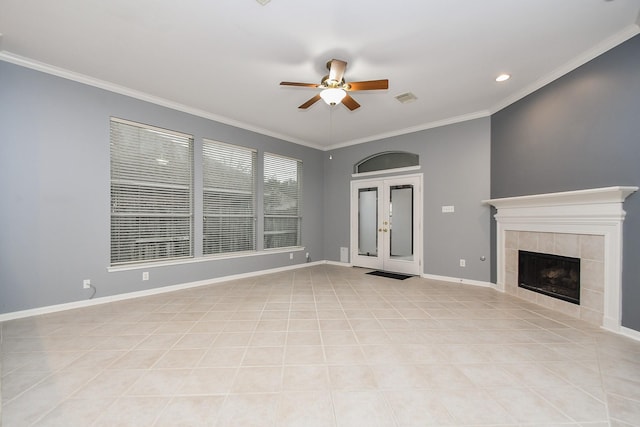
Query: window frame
[(268, 234), (233, 151), (143, 230)]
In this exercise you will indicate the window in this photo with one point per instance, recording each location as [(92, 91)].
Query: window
[(282, 201), (387, 160), (151, 193), (229, 198)]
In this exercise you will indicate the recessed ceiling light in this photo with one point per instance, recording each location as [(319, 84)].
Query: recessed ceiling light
[(503, 77)]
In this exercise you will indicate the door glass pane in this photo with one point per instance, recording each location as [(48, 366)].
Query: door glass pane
[(401, 222), (368, 221)]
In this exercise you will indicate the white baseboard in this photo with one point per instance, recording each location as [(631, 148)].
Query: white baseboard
[(627, 332), (339, 264), (155, 291), (630, 333), (460, 281)]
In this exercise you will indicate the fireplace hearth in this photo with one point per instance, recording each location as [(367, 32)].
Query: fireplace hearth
[(552, 275)]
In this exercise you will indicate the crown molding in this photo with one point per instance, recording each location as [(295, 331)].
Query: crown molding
[(142, 96), (578, 61), (406, 131)]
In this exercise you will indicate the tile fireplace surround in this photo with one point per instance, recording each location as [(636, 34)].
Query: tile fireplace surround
[(585, 224)]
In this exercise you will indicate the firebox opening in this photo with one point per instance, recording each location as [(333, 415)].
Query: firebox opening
[(552, 275)]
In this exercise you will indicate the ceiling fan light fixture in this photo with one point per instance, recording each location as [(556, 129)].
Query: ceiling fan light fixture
[(333, 96)]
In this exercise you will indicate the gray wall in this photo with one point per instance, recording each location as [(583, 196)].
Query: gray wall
[(581, 131), (455, 162), (54, 184)]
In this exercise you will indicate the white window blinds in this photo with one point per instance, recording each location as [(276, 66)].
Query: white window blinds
[(229, 198), (151, 193), (282, 201)]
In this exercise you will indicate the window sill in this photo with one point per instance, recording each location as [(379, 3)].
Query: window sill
[(204, 258)]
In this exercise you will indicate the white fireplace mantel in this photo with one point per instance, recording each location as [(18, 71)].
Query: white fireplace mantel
[(597, 211)]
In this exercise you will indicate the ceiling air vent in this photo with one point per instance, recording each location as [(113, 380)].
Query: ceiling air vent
[(406, 97), (263, 2)]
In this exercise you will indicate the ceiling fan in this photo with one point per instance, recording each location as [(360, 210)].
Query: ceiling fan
[(334, 88)]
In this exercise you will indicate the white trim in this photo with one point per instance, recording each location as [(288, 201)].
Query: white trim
[(122, 90), (155, 291), (339, 264), (580, 60), (381, 261), (152, 128), (205, 258), (630, 333), (405, 131), (385, 171), (576, 62), (460, 280), (597, 211)]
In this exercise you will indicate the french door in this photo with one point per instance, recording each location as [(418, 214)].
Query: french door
[(386, 224)]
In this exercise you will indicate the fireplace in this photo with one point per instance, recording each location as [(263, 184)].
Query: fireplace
[(585, 224), (552, 275)]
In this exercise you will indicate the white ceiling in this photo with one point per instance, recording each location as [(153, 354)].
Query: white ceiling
[(224, 59)]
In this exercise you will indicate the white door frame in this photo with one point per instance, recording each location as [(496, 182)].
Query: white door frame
[(381, 261)]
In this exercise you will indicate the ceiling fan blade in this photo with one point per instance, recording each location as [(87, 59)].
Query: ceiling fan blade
[(336, 70), (369, 85), (350, 103), (299, 84), (310, 102)]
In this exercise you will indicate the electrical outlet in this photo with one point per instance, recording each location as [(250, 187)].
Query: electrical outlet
[(145, 275), (291, 255), (86, 284), (463, 263)]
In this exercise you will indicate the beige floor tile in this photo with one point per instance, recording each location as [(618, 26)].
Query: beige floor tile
[(311, 337), (16, 382), (189, 411), (305, 409), (137, 359), (418, 408), (75, 412), (366, 408), (208, 381), (526, 406), (258, 380), (268, 339), (305, 378), (624, 410), (263, 356), (575, 403), (343, 355), (352, 378), (472, 406), (157, 382), (324, 345), (180, 358), (303, 355), (132, 411), (110, 383)]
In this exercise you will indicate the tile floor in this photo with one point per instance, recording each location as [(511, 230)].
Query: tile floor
[(318, 346)]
